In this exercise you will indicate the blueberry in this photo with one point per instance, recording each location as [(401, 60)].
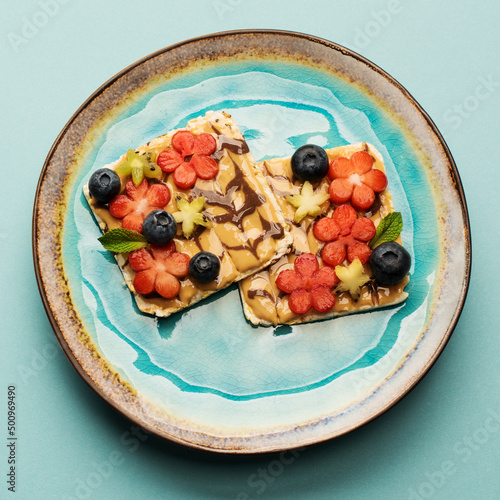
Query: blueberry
[(204, 266), (104, 185), (390, 263), (310, 163), (159, 227)]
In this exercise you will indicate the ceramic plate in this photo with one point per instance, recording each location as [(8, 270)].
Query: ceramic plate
[(206, 377)]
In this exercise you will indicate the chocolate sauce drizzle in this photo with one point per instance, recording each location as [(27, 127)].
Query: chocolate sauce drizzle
[(259, 293), (237, 146), (252, 201)]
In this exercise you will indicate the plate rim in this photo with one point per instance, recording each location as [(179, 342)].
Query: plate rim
[(346, 52)]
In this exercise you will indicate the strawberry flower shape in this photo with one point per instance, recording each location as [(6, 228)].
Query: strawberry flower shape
[(137, 202), (356, 180), (308, 285), (159, 269), (347, 236), (189, 158)]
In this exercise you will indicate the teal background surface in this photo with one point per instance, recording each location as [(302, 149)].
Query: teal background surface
[(442, 441)]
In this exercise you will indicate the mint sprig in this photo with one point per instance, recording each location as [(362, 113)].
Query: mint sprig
[(123, 240), (388, 229)]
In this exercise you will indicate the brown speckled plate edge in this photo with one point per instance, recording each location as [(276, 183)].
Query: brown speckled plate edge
[(265, 443)]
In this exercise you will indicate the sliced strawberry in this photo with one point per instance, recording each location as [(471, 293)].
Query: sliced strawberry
[(362, 197), (177, 264), (288, 281), (204, 144), (120, 206), (322, 299), (163, 252), (325, 277), (133, 207), (358, 250), (340, 167), (375, 179), (362, 162), (140, 260), (158, 270), (205, 167), (334, 253), (136, 193), (158, 195), (363, 229), (300, 301), (168, 160), (133, 221), (340, 190), (354, 179), (144, 281), (307, 285), (167, 286), (345, 216), (183, 142), (306, 264), (184, 176), (326, 229)]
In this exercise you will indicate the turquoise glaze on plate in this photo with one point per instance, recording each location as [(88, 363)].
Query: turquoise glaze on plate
[(205, 376), (180, 349)]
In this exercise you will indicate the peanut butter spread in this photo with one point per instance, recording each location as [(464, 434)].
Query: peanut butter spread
[(263, 302), (248, 230)]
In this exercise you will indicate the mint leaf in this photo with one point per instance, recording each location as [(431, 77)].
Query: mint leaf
[(123, 240), (388, 229)]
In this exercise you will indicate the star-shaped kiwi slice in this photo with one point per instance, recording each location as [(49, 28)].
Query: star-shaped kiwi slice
[(307, 202), (189, 215), (139, 166)]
